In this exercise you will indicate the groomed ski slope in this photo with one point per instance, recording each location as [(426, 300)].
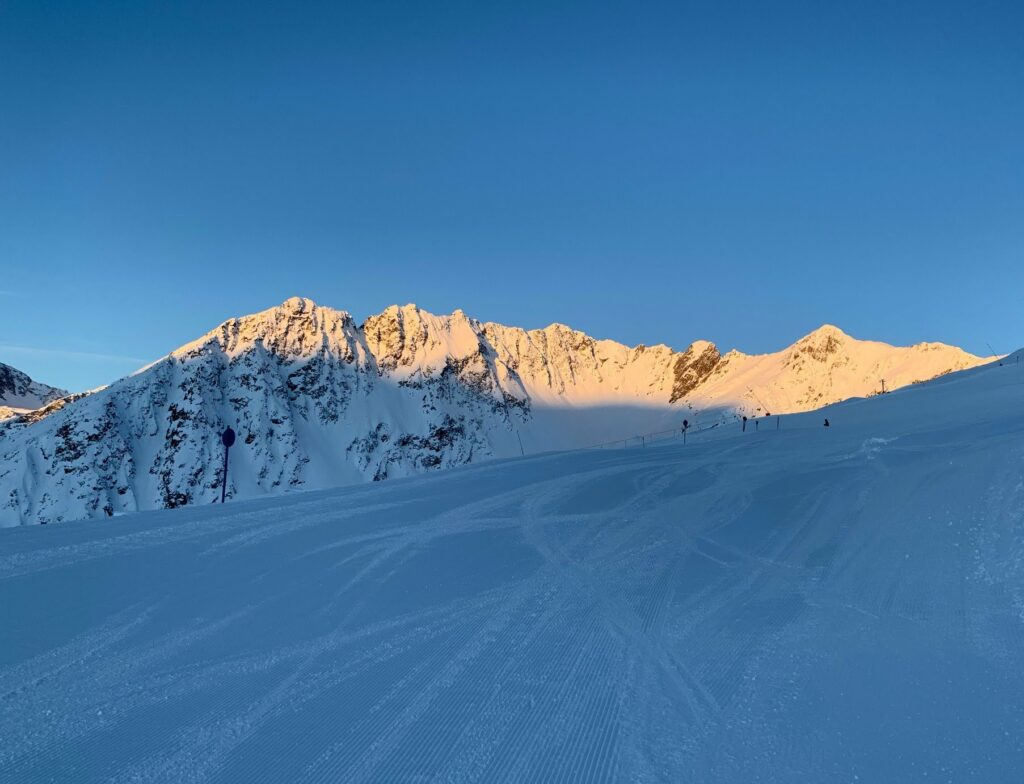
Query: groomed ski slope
[(800, 605)]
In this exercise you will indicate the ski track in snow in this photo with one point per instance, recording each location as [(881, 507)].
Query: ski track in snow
[(803, 605)]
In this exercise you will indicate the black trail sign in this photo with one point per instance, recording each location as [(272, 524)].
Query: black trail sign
[(227, 438)]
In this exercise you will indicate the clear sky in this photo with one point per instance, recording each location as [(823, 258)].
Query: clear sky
[(648, 172)]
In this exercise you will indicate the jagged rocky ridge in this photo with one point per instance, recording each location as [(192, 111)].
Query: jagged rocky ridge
[(319, 401), (19, 394)]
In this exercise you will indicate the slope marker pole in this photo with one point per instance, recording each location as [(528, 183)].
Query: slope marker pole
[(227, 438)]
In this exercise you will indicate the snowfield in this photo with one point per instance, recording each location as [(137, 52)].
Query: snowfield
[(794, 605)]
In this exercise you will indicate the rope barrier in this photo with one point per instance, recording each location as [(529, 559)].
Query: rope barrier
[(642, 439)]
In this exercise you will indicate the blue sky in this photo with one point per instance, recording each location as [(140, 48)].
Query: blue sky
[(648, 172)]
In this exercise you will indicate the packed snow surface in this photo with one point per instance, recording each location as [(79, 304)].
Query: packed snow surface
[(794, 605)]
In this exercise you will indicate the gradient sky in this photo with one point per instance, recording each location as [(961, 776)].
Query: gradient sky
[(648, 172)]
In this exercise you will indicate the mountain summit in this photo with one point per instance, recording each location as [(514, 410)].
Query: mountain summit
[(318, 401)]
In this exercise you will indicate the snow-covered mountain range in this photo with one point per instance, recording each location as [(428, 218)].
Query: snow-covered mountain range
[(318, 401), (20, 394)]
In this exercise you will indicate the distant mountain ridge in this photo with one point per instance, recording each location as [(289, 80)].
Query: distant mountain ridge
[(319, 401), (19, 393)]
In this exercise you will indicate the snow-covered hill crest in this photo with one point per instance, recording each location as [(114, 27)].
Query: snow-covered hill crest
[(318, 401)]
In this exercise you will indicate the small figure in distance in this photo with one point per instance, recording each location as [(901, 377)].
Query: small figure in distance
[(826, 421)]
